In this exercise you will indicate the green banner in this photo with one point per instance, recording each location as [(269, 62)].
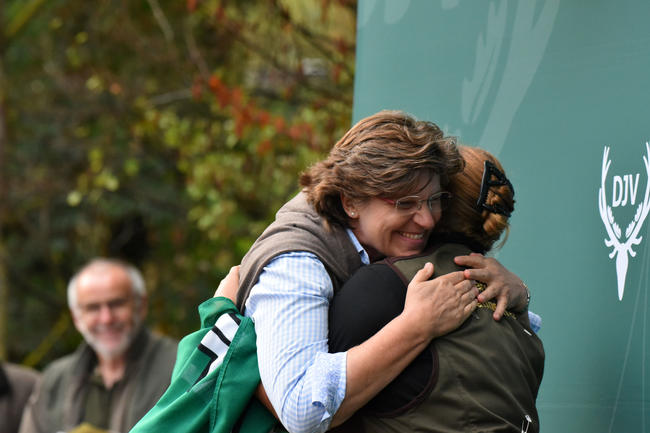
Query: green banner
[(560, 92)]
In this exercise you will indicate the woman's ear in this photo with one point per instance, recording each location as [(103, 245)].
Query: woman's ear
[(349, 207)]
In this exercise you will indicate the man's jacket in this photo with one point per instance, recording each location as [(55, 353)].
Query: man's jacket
[(58, 401)]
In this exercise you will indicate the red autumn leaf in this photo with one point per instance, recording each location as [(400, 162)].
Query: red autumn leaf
[(237, 97), (220, 90), (220, 13), (279, 124), (263, 147), (214, 82), (294, 132), (263, 117), (342, 46)]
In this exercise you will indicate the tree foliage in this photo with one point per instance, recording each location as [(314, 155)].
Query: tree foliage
[(163, 132)]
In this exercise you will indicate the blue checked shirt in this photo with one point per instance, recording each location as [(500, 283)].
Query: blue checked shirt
[(290, 306)]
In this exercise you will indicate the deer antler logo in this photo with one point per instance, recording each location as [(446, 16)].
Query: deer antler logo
[(623, 246)]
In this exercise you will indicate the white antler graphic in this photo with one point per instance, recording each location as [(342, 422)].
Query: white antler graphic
[(623, 248)]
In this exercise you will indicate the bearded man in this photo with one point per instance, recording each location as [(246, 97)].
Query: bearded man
[(120, 370)]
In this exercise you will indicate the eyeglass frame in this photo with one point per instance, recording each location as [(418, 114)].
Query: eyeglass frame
[(93, 309), (438, 196)]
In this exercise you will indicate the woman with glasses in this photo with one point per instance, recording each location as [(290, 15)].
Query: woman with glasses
[(483, 376), (379, 193)]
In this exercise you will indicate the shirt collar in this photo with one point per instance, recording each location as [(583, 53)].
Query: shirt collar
[(365, 259)]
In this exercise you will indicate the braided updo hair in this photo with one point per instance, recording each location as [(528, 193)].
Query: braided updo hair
[(462, 214)]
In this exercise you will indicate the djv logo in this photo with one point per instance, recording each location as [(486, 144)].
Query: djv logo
[(624, 193)]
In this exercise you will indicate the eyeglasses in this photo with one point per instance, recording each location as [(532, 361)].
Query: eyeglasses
[(93, 309), (413, 203)]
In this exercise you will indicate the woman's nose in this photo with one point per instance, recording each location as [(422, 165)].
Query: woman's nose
[(426, 218)]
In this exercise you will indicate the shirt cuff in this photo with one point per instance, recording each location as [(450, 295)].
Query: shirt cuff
[(535, 321), (328, 391)]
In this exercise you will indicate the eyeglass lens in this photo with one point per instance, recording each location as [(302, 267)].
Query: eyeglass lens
[(113, 305), (412, 203)]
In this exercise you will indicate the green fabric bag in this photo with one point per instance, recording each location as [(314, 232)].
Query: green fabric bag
[(214, 379)]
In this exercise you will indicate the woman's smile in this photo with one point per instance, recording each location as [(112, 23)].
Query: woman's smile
[(414, 236)]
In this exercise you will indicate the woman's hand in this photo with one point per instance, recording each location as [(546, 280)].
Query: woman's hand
[(229, 285), (432, 308), (440, 305), (502, 285)]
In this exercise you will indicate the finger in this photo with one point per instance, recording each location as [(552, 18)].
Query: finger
[(473, 260), (475, 290), (481, 274), (424, 273), (470, 307), (487, 294), (502, 303), (467, 308), (469, 296), (465, 286), (454, 278)]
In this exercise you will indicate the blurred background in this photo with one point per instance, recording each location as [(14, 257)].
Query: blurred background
[(163, 132)]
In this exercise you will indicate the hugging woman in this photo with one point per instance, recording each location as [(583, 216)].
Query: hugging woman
[(483, 376), (344, 218)]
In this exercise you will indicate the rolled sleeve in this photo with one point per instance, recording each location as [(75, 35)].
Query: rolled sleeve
[(328, 390), (289, 306)]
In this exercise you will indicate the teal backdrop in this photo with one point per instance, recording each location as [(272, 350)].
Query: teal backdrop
[(560, 92)]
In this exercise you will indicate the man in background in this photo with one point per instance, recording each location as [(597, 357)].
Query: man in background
[(120, 370), (16, 384)]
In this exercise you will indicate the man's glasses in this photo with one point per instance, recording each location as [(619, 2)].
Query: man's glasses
[(413, 203), (93, 309)]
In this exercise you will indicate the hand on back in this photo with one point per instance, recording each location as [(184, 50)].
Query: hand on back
[(506, 288), (437, 307)]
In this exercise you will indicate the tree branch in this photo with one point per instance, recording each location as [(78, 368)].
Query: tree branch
[(161, 19)]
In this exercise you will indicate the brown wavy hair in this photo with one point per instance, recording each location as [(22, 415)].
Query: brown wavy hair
[(383, 155), (462, 215)]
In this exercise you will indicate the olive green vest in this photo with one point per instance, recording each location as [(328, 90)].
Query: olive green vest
[(487, 373)]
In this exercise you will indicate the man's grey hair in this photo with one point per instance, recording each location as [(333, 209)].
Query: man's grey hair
[(135, 277)]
